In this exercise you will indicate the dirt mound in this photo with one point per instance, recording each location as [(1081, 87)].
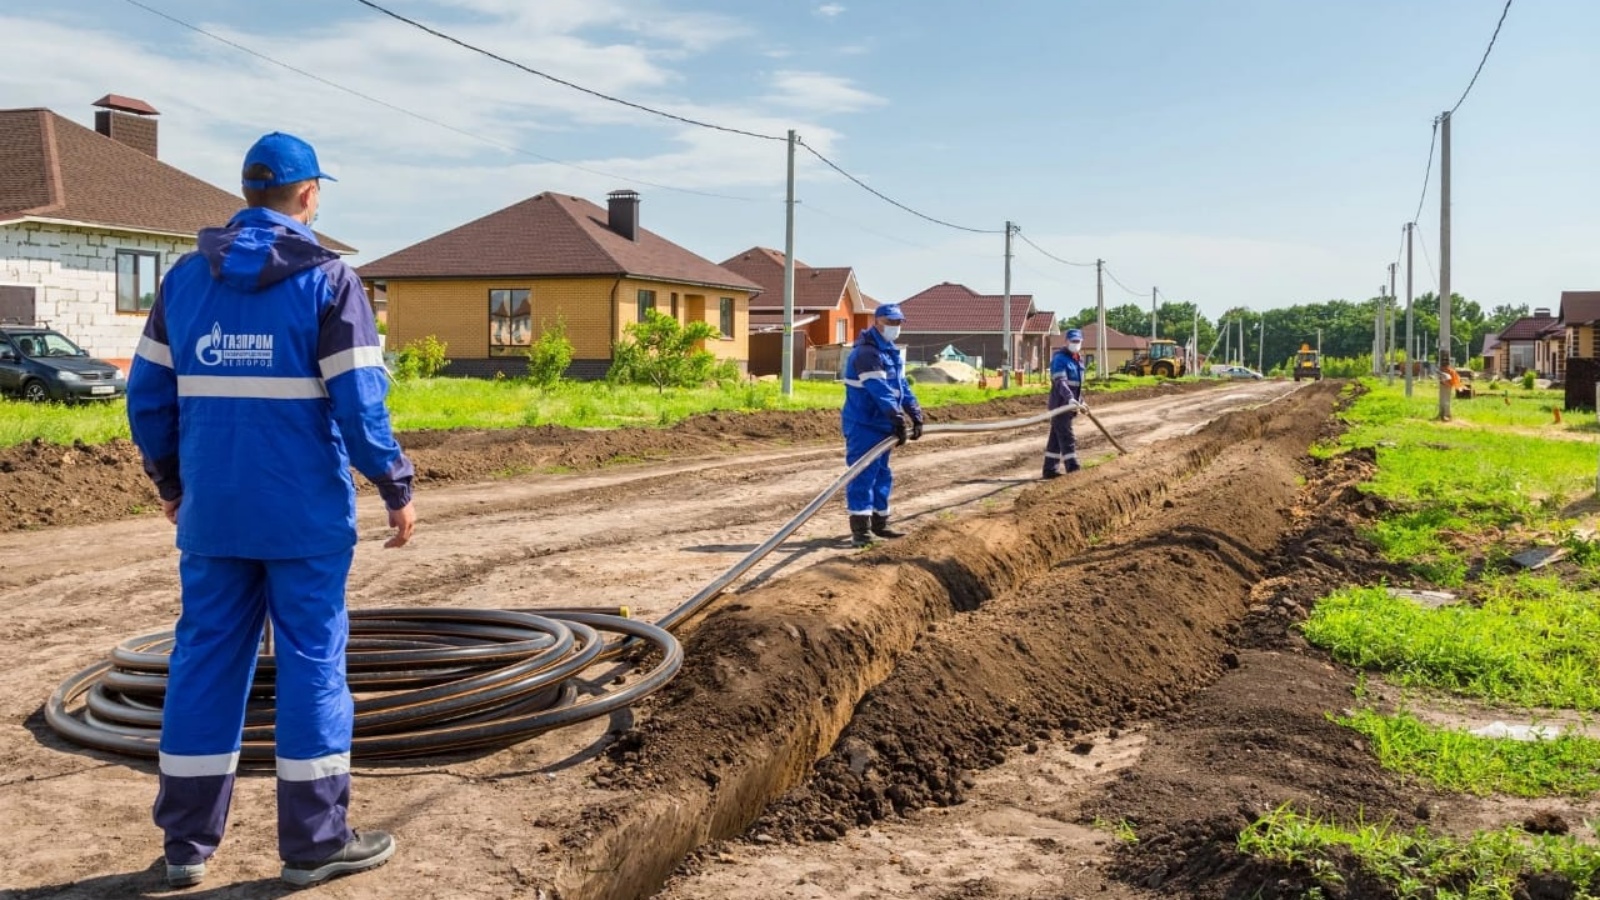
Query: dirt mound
[(44, 484)]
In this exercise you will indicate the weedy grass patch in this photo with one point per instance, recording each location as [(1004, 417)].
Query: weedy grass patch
[(1455, 760), (1489, 865)]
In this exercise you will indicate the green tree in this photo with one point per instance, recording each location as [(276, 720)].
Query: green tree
[(550, 355), (1129, 318), (662, 352)]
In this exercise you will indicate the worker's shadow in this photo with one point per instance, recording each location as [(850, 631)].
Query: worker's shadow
[(151, 882)]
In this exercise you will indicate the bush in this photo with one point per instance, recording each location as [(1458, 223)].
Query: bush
[(661, 352), (421, 358), (1528, 378), (550, 355)]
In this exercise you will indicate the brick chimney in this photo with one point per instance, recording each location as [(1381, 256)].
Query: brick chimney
[(623, 213), (1542, 312), (129, 121)]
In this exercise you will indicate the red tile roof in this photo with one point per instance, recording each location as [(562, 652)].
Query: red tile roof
[(1526, 328), (814, 288), (550, 234), (53, 168), (957, 309), (1579, 307)]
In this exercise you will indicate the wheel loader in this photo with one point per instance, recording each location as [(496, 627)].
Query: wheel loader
[(1164, 359), (1307, 364)]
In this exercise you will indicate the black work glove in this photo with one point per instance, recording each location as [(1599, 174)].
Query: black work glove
[(900, 431), (916, 429)]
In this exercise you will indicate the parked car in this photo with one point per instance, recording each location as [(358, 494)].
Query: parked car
[(1238, 372), (38, 363)]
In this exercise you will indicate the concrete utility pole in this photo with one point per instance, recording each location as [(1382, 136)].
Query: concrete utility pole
[(1261, 344), (1411, 346), (787, 381), (1444, 266), (1152, 315), (1194, 339), (1102, 355), (1388, 349), (1005, 313)]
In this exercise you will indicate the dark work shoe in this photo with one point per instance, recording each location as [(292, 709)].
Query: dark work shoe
[(880, 527), (1052, 473), (182, 876), (366, 850)]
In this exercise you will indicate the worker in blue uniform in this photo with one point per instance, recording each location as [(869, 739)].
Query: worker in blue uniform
[(259, 381), (878, 402), (1066, 386)]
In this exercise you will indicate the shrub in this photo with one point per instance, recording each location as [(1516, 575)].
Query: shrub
[(662, 352), (1528, 379), (421, 358), (550, 355)]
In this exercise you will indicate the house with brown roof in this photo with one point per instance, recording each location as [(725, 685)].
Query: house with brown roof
[(488, 289), (90, 219), (1524, 347), (1579, 319), (954, 315), (829, 309)]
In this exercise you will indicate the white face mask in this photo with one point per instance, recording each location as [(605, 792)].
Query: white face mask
[(1074, 346), (890, 332)]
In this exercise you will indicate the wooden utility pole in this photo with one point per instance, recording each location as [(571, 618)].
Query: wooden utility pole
[(1444, 266)]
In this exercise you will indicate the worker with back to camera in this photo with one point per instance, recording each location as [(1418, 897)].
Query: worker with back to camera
[(877, 403), (1066, 386)]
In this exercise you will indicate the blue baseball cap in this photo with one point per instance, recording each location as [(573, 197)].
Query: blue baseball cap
[(288, 158), (890, 311), (1074, 334)]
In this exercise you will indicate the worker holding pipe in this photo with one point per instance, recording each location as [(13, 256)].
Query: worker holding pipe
[(877, 403), (259, 381), (1066, 387)]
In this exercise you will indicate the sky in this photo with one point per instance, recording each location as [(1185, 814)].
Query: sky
[(1232, 153)]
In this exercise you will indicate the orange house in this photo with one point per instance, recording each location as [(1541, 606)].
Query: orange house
[(829, 308)]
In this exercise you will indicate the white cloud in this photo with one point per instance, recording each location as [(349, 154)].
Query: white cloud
[(819, 92), (830, 10)]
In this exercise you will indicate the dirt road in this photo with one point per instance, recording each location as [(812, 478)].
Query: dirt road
[(646, 536)]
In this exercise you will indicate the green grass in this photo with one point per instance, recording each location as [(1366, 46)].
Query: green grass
[(451, 403), (1460, 761), (1417, 865), (1531, 642), (1485, 471)]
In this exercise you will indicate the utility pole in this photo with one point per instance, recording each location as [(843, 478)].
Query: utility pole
[(1102, 355), (1005, 376), (1388, 349), (1261, 344), (1411, 346), (1152, 317), (1377, 334), (787, 381), (1194, 338), (1444, 266)]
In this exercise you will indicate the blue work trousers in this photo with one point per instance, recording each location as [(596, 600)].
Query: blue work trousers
[(868, 492)]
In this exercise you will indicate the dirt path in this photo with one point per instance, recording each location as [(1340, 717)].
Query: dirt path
[(642, 535)]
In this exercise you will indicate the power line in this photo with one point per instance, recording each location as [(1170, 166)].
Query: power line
[(422, 118), (562, 81), (1051, 255), (1486, 50), (1119, 284), (1427, 171), (879, 194), (1432, 276)]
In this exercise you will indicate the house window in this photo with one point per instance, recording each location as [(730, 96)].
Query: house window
[(841, 331), (137, 275), (1572, 344), (510, 321), (725, 315), (647, 302)]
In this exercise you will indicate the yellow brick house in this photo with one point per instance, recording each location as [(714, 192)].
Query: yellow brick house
[(489, 288)]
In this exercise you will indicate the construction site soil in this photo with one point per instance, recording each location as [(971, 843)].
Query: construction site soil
[(987, 708)]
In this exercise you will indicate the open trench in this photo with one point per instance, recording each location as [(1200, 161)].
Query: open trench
[(865, 687)]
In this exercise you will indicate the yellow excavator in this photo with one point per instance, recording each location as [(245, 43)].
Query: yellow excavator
[(1164, 359), (1307, 364)]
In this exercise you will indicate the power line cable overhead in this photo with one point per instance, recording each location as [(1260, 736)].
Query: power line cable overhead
[(427, 119), (1048, 254), (1118, 282), (562, 81), (879, 194), (1485, 59)]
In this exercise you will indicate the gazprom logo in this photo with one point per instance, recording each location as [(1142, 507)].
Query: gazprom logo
[(220, 348)]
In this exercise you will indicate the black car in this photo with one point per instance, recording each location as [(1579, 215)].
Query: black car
[(38, 363)]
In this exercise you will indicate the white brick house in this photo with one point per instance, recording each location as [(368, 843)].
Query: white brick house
[(90, 220)]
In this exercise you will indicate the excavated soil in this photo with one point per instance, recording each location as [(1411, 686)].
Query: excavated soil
[(952, 715)]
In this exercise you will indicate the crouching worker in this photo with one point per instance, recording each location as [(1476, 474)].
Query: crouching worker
[(877, 403), (1066, 386)]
